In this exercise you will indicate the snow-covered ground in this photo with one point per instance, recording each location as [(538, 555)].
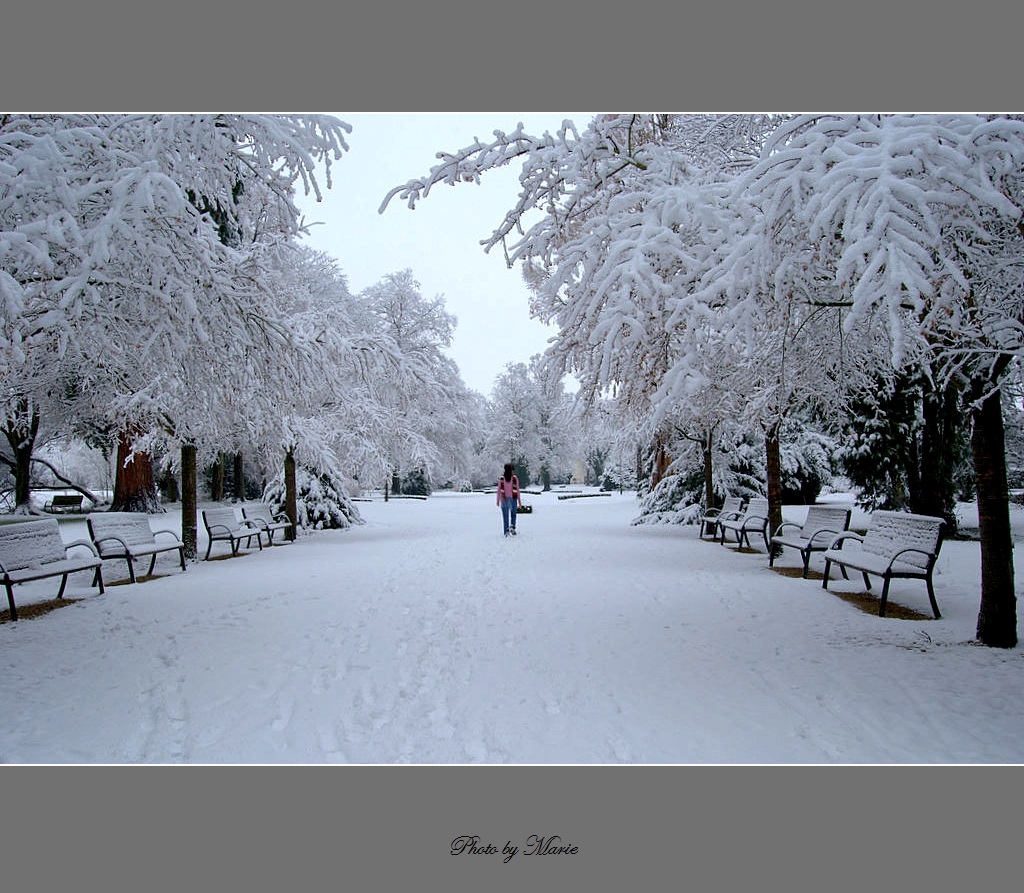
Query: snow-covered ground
[(424, 636)]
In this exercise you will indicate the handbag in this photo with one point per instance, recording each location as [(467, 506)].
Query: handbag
[(525, 509)]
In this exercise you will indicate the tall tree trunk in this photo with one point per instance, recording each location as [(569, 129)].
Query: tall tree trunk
[(239, 475), (217, 479), (773, 472), (189, 502), (662, 460), (134, 484), (709, 470), (291, 495), (22, 439), (997, 616)]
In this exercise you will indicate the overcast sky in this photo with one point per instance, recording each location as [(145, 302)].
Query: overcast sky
[(440, 240)]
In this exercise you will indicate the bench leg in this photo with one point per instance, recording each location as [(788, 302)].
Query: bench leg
[(806, 555), (931, 596), (131, 568), (209, 543), (867, 582), (63, 584), (99, 579), (152, 564), (885, 596), (10, 601), (181, 557)]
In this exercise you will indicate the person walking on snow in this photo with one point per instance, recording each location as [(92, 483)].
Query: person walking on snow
[(508, 499)]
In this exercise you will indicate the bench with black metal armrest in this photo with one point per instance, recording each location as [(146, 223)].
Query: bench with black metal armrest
[(128, 535), (223, 525), (35, 550), (897, 545)]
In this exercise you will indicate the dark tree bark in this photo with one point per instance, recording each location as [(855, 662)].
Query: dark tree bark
[(662, 460), (217, 479), (22, 439), (291, 496), (773, 472), (997, 616), (706, 448), (189, 502), (134, 484), (239, 475)]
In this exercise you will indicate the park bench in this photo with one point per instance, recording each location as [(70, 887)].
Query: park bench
[(128, 535), (35, 550), (819, 530), (753, 518), (896, 545), (267, 520), (223, 525), (63, 502), (731, 507)]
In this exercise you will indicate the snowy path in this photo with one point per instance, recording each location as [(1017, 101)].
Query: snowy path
[(424, 636)]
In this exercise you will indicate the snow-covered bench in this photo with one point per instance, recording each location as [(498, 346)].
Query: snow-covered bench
[(896, 545), (223, 525), (819, 530), (128, 535), (753, 518), (35, 550), (732, 506), (269, 522)]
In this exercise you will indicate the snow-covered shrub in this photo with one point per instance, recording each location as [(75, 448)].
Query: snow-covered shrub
[(671, 501), (415, 483), (807, 466), (320, 503)]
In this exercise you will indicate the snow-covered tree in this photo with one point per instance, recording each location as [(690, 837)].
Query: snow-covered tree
[(636, 211), (919, 218), (130, 255), (425, 395)]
